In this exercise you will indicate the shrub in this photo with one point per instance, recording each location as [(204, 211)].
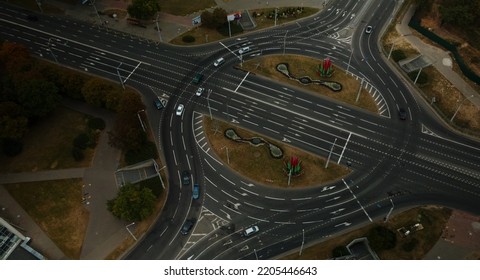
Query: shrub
[(410, 245), (398, 55), (81, 141), (12, 147), (340, 251), (77, 154), (188, 39), (147, 151), (382, 238), (96, 123)]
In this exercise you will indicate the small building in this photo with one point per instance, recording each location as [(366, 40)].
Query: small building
[(14, 245)]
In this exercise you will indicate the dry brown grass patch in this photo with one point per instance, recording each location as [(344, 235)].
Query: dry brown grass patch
[(257, 164), (306, 66), (56, 206)]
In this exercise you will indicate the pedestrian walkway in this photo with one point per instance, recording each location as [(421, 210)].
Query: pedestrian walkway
[(104, 232), (440, 59)]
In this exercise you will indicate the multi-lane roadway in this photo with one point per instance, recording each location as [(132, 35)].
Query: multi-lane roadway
[(396, 163)]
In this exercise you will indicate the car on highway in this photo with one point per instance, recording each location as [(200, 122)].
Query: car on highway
[(199, 91), (187, 226), (186, 178), (402, 114), (219, 62), (159, 103), (369, 29), (198, 78), (179, 110), (244, 50), (250, 231), (196, 191)]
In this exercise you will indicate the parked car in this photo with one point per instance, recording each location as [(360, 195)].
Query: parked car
[(244, 50), (186, 178), (369, 29), (199, 91), (250, 231), (187, 226), (219, 62), (196, 191), (179, 111)]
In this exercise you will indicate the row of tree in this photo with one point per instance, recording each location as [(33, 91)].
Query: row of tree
[(30, 89)]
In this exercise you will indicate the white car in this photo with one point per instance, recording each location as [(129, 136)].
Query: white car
[(199, 91), (179, 111), (218, 62), (244, 50), (250, 231)]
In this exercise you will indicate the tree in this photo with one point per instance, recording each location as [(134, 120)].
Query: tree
[(133, 203), (382, 238), (37, 97), (143, 9), (460, 13), (13, 122), (127, 133), (95, 91), (215, 19)]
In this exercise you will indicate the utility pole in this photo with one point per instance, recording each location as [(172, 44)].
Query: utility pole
[(330, 154), (158, 29), (303, 242), (208, 102), (460, 105)]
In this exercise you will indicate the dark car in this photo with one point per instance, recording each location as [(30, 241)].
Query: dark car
[(196, 191), (187, 226), (159, 103), (186, 178), (198, 78), (369, 29), (402, 114), (32, 18)]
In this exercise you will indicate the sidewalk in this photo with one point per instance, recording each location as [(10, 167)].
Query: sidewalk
[(441, 59)]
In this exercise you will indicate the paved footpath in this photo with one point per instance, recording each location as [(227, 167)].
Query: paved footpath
[(440, 58)]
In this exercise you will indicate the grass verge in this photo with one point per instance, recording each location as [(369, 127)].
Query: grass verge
[(56, 206), (306, 66), (434, 220), (257, 164)]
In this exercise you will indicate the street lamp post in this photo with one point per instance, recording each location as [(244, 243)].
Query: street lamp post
[(39, 4), (460, 105), (140, 119), (130, 231), (120, 77), (350, 59), (158, 29), (303, 242), (96, 11), (276, 16), (208, 102), (330, 154), (228, 158), (50, 49), (284, 42)]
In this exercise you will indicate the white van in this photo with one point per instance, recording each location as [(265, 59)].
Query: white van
[(250, 231)]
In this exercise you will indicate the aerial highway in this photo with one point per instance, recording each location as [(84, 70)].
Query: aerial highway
[(395, 163)]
